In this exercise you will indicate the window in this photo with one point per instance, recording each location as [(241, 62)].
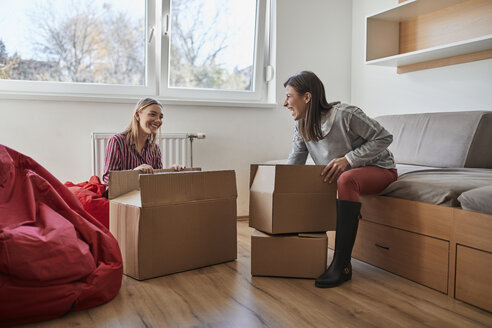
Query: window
[(174, 49), (84, 46)]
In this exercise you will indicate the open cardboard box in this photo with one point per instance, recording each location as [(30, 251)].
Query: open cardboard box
[(291, 199), (169, 221), (292, 255)]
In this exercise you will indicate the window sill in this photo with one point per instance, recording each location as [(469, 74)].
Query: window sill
[(133, 100)]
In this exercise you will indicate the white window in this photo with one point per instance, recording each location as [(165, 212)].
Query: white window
[(76, 47), (172, 49)]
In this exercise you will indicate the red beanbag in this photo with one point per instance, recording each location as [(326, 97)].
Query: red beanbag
[(92, 196), (54, 256)]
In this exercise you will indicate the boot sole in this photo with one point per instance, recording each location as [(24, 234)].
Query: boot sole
[(320, 284)]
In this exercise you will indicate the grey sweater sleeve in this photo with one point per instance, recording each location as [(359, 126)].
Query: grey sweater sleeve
[(299, 152), (377, 138)]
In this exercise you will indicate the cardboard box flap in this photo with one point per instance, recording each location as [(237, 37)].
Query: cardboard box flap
[(301, 179), (280, 178), (130, 198), (253, 169), (121, 182), (263, 179), (179, 187), (183, 170)]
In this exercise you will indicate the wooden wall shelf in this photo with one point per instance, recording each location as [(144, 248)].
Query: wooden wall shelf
[(421, 34)]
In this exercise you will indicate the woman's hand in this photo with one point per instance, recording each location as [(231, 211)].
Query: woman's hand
[(145, 168), (177, 167), (333, 170)]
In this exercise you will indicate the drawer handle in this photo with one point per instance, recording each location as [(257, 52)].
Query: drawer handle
[(380, 246)]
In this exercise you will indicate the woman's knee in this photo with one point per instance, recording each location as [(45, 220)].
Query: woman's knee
[(346, 179), (347, 187), (347, 183)]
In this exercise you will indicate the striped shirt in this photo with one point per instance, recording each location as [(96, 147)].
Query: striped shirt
[(119, 156)]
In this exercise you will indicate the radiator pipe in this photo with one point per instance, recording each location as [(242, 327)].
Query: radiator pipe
[(193, 136)]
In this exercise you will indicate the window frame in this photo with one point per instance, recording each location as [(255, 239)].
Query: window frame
[(94, 89), (259, 91), (156, 72)]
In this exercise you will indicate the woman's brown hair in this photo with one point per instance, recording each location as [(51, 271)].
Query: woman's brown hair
[(310, 125)]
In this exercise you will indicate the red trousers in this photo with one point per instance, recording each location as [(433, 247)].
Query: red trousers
[(365, 180)]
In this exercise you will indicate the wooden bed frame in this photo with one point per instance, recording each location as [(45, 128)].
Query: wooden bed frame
[(445, 248)]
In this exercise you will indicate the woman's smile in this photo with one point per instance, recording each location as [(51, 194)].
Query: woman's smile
[(295, 102)]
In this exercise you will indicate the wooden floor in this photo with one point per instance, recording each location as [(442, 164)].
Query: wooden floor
[(226, 295)]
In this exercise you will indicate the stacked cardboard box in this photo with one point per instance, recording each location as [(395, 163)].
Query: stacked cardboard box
[(169, 222), (289, 206)]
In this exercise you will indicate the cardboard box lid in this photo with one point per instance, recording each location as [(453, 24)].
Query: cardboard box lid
[(177, 187), (288, 179), (122, 182)]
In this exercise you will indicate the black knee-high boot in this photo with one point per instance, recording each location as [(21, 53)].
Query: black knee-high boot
[(340, 269)]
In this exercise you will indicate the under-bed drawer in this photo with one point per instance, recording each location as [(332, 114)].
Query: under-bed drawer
[(474, 277), (416, 257), (427, 219), (473, 229)]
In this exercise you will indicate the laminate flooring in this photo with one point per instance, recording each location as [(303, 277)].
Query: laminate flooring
[(226, 295)]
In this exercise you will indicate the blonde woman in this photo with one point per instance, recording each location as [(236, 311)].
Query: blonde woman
[(136, 148)]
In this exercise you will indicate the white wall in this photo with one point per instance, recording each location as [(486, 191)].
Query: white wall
[(379, 90), (314, 35), (325, 36)]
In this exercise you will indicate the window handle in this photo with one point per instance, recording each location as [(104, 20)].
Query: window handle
[(269, 72), (151, 34), (165, 25)]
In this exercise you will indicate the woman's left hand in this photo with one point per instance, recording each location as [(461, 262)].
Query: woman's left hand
[(144, 168), (333, 170), (177, 167)]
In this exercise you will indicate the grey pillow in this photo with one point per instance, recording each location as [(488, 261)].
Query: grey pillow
[(478, 200)]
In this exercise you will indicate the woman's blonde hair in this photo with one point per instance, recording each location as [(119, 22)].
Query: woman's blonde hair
[(310, 125), (132, 130)]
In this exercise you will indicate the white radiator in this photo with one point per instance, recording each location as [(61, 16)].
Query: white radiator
[(175, 149)]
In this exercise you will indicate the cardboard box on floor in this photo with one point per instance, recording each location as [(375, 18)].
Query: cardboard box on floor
[(293, 255), (291, 199), (169, 222)]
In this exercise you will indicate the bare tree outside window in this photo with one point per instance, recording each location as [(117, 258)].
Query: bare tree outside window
[(205, 39), (214, 50), (7, 63), (81, 41)]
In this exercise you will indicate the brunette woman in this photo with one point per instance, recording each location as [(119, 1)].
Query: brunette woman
[(354, 150)]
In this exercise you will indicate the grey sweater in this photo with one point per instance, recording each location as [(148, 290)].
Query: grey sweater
[(347, 132)]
